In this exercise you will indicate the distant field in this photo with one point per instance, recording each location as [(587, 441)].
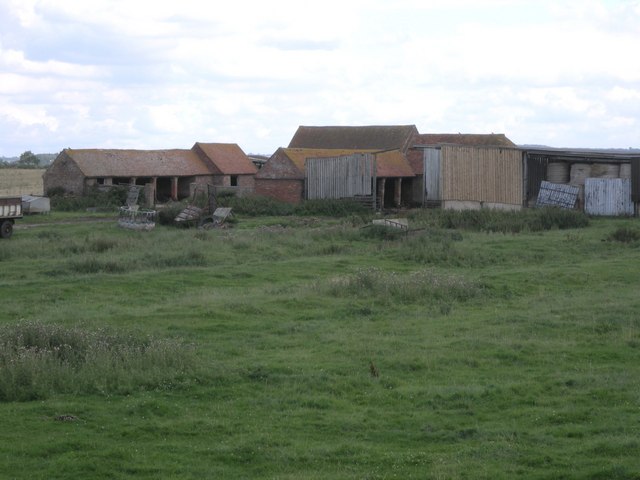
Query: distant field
[(19, 181)]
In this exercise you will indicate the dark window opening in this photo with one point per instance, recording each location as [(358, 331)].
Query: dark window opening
[(121, 180), (143, 180), (234, 180)]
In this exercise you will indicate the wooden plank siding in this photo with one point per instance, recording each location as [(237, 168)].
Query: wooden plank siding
[(432, 175), (482, 174), (345, 176)]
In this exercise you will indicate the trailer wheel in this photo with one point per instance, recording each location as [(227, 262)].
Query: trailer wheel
[(6, 229)]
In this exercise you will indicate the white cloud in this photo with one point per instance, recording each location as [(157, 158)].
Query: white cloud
[(156, 74)]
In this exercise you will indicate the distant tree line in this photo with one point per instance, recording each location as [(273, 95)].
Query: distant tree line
[(28, 159)]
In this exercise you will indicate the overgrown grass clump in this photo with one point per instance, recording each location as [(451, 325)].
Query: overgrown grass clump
[(255, 206), (497, 221), (624, 235), (422, 287), (38, 360)]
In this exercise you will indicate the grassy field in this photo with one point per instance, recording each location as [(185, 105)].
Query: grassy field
[(306, 347), (21, 181)]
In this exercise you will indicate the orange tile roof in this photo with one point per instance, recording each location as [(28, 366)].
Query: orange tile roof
[(391, 163), (137, 163), (228, 158)]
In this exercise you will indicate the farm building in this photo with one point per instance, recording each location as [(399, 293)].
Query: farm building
[(294, 174), (395, 181), (426, 155), (170, 173), (470, 177), (607, 181)]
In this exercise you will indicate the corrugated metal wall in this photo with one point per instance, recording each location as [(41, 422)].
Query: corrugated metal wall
[(536, 173), (339, 177), (479, 174), (608, 196), (635, 179), (432, 174)]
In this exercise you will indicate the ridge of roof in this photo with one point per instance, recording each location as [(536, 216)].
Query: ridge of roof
[(354, 137)]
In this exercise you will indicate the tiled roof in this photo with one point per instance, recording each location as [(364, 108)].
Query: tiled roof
[(466, 139), (377, 137), (228, 158), (137, 163), (391, 163), (299, 155)]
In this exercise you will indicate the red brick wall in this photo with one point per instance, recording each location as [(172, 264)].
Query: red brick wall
[(246, 181), (289, 191)]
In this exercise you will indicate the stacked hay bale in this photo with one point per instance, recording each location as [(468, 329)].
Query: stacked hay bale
[(579, 173)]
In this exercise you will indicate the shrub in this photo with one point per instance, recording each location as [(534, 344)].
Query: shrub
[(255, 205), (109, 199), (332, 208), (38, 360), (624, 235)]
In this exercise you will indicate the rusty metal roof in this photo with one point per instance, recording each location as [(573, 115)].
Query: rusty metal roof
[(227, 158), (377, 137), (137, 163), (391, 163)]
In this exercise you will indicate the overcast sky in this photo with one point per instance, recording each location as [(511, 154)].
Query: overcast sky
[(164, 74)]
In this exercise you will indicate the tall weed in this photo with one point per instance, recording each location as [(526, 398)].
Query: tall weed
[(38, 360)]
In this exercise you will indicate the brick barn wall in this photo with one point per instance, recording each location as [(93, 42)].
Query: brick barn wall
[(290, 191), (246, 181)]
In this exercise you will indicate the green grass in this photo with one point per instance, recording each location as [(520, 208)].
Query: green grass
[(315, 348)]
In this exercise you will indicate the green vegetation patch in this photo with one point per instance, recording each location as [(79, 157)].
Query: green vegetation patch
[(38, 360), (422, 286), (496, 221), (624, 235)]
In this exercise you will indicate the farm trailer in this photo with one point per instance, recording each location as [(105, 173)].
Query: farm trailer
[(10, 209)]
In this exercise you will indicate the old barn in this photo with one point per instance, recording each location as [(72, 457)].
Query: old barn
[(169, 173)]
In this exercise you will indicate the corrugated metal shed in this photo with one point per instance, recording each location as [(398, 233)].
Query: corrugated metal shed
[(482, 174), (608, 197)]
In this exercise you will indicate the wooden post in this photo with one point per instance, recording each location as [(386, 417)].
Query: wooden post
[(174, 188)]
